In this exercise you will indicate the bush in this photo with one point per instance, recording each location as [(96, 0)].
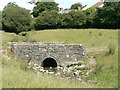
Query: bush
[(16, 19), (74, 19), (44, 6), (111, 49), (0, 20), (47, 20), (108, 16)]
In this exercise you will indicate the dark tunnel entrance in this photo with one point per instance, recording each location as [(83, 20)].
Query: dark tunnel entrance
[(49, 62)]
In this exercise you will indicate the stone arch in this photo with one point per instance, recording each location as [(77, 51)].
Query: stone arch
[(49, 62)]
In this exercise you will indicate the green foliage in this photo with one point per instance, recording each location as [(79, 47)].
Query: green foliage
[(90, 15), (108, 16), (11, 4), (107, 69), (76, 6), (51, 19), (13, 76), (23, 33), (0, 20), (89, 10), (100, 34), (74, 19), (46, 20), (44, 6), (24, 66), (16, 19), (111, 49)]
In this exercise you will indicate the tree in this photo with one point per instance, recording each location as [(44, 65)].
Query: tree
[(74, 19), (11, 4), (90, 14), (44, 6), (0, 20), (89, 11), (76, 6), (16, 19), (108, 16), (47, 20)]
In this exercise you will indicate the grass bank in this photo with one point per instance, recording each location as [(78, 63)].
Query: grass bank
[(87, 37), (16, 75)]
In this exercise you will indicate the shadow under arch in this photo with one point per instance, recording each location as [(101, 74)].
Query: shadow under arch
[(49, 62)]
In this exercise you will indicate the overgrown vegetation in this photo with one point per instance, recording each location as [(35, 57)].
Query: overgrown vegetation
[(10, 37), (18, 20), (14, 71), (106, 71), (87, 37), (15, 76)]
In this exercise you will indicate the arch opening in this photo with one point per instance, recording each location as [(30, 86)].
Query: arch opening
[(49, 62)]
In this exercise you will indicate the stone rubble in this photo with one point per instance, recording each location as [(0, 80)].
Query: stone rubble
[(77, 71)]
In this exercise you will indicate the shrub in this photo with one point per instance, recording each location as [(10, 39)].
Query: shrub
[(74, 19), (16, 19), (100, 34), (47, 20), (24, 66), (0, 20), (44, 6), (111, 49)]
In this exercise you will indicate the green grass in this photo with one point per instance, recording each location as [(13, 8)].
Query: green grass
[(15, 73), (13, 76), (106, 70), (87, 37), (10, 37)]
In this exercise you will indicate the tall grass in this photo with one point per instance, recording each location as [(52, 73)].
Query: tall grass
[(13, 76), (87, 37), (10, 37), (106, 70)]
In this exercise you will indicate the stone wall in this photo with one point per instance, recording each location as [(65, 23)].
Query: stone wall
[(37, 52)]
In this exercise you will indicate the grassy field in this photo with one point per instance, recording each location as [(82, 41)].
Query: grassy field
[(16, 75), (87, 37), (106, 70), (10, 37)]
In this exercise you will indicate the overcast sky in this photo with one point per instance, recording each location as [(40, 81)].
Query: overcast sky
[(62, 3)]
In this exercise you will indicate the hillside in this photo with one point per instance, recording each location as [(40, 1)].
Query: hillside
[(93, 40)]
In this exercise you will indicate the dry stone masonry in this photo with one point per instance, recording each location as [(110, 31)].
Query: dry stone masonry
[(49, 53)]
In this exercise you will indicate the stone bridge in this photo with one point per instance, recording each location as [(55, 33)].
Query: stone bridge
[(48, 54)]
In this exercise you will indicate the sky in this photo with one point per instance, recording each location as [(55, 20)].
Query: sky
[(62, 3)]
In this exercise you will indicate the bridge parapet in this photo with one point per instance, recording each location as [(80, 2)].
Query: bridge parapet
[(37, 52)]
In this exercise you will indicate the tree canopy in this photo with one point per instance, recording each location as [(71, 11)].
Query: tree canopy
[(0, 20), (44, 6), (76, 6), (16, 19), (46, 20), (108, 16)]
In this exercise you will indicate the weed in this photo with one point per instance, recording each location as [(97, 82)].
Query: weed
[(100, 34), (111, 49)]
